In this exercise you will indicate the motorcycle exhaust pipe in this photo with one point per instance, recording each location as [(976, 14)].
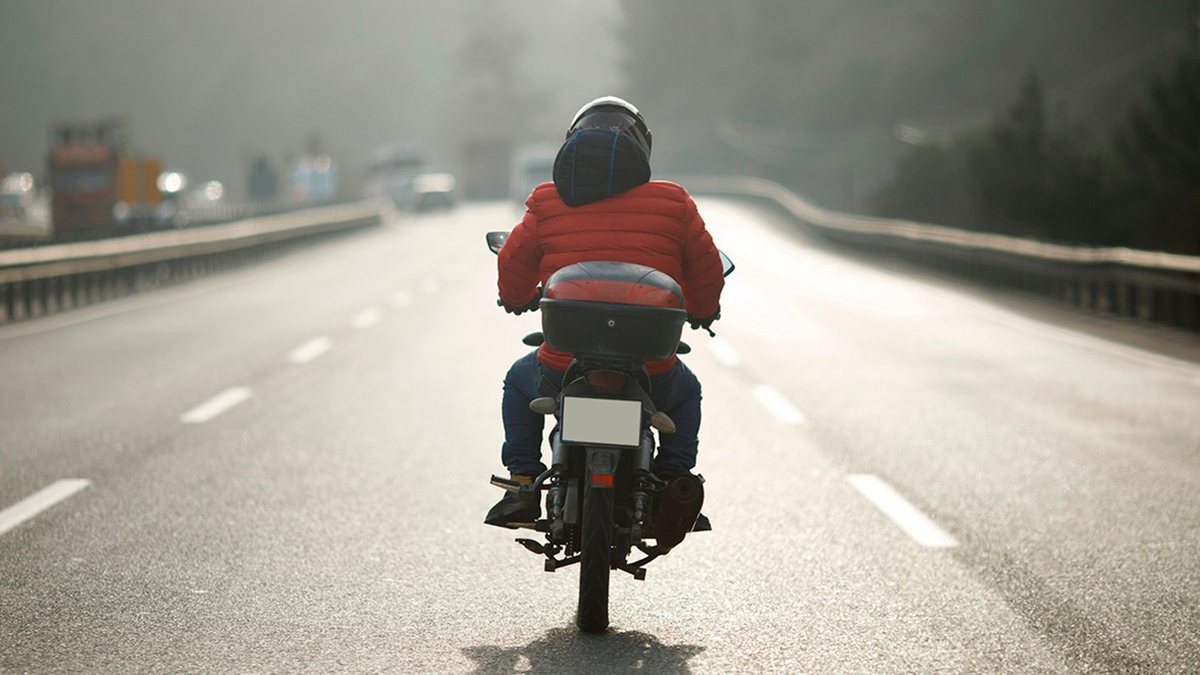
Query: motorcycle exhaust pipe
[(678, 511), (641, 457)]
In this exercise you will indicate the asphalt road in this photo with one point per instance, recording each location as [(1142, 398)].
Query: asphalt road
[(286, 471)]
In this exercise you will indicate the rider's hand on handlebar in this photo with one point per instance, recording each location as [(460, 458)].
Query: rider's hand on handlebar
[(530, 306), (704, 322)]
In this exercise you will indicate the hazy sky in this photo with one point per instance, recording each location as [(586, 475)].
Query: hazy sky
[(208, 85)]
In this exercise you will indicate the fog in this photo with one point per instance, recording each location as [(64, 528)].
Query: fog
[(207, 86), (822, 95)]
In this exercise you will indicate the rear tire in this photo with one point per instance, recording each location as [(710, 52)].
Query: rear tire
[(595, 559)]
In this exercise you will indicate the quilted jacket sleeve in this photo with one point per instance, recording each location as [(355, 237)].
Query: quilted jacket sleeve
[(519, 262), (702, 271)]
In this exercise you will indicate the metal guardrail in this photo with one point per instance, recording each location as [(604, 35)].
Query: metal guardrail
[(46, 279), (1150, 286)]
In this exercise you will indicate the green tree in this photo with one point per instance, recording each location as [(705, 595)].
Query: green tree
[(1035, 178), (1158, 164), (932, 184)]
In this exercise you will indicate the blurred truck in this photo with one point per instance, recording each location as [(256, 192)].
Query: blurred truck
[(484, 169), (532, 165), (100, 187), (390, 174)]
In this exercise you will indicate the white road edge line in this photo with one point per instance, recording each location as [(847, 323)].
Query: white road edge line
[(724, 352), (779, 406), (914, 523), (367, 318), (40, 501), (310, 350), (215, 405)]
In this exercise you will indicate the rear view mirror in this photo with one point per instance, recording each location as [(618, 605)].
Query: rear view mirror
[(495, 240)]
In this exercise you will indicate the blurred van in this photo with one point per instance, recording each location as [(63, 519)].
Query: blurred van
[(532, 166), (16, 195)]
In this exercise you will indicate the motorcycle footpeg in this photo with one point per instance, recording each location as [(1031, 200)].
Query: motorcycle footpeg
[(534, 546), (512, 485), (505, 483), (638, 573)]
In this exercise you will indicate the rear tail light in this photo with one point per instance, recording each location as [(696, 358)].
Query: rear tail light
[(606, 381)]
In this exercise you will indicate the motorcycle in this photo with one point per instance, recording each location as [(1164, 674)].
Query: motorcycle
[(602, 501)]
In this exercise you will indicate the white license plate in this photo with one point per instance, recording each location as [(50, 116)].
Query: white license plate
[(601, 420)]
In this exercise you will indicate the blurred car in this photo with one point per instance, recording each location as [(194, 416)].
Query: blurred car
[(16, 195), (433, 191)]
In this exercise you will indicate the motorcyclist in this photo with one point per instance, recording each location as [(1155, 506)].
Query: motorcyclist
[(602, 205)]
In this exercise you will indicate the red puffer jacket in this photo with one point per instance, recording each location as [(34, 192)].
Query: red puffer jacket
[(655, 224)]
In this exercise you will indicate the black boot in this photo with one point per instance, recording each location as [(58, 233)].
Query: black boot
[(515, 508)]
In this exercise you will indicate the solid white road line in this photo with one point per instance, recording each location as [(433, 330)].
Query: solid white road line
[(40, 501), (215, 405), (914, 523), (724, 352), (367, 318), (779, 406), (310, 350)]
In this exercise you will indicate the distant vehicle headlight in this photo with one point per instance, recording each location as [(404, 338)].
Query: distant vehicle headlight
[(121, 212), (171, 182), (213, 190)]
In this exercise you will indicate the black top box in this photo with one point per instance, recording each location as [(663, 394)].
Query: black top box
[(613, 309)]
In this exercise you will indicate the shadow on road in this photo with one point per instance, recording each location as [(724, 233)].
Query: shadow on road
[(566, 650)]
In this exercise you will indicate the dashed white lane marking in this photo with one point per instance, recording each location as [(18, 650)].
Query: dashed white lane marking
[(724, 352), (779, 406), (367, 318), (40, 501), (310, 350), (215, 405), (401, 298), (914, 523)]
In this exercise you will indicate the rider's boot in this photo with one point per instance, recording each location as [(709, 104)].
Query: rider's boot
[(516, 507)]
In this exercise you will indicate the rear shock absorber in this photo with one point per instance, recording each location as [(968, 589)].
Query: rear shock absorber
[(641, 476), (555, 496)]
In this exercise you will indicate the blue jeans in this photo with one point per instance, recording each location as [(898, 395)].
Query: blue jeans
[(675, 392)]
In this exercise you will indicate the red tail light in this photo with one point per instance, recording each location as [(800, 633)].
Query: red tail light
[(606, 381), (602, 480)]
